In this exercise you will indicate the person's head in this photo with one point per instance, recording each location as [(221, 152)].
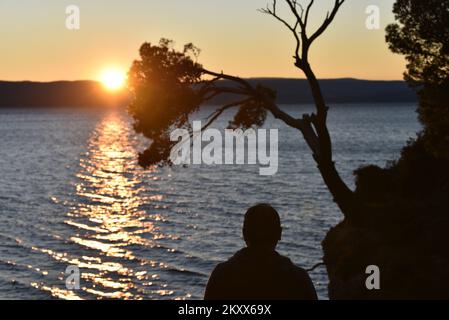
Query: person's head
[(262, 227)]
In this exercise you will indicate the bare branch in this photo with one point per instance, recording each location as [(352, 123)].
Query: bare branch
[(316, 266), (293, 29), (210, 90), (308, 125), (299, 30), (282, 115), (220, 90), (242, 82), (293, 4), (214, 116), (329, 18), (306, 19)]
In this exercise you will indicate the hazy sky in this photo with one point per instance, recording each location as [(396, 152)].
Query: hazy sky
[(233, 35)]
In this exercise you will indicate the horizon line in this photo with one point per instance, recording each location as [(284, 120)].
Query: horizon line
[(247, 78)]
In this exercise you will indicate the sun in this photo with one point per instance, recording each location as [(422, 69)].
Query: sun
[(113, 79)]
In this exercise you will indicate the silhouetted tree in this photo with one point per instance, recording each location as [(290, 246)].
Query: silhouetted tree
[(422, 35), (397, 216), (170, 85), (404, 225)]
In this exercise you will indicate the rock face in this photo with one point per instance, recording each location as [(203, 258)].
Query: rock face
[(403, 229), (412, 267)]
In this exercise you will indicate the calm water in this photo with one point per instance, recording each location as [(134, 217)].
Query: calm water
[(71, 193)]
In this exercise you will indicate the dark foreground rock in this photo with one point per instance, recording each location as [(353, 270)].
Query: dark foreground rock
[(403, 229)]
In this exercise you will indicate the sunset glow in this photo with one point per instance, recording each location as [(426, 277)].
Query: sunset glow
[(113, 79), (262, 50)]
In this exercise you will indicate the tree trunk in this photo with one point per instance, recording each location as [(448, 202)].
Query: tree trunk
[(342, 194)]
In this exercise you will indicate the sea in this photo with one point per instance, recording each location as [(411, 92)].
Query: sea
[(80, 219)]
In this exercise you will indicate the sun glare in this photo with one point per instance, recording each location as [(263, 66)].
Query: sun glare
[(113, 79)]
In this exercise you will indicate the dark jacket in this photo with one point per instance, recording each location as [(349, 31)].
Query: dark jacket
[(253, 275)]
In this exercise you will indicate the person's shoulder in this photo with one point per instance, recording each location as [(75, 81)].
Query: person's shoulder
[(220, 268), (223, 267), (297, 270), (217, 284)]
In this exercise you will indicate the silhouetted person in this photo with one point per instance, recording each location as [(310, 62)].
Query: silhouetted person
[(258, 272)]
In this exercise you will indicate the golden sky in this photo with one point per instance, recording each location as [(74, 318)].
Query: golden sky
[(233, 35)]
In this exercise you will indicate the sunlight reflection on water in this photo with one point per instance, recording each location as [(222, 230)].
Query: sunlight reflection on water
[(107, 220)]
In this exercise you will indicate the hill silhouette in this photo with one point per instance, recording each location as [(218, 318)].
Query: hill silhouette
[(346, 90), (93, 94), (59, 94)]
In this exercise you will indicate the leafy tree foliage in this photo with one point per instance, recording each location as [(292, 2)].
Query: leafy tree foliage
[(422, 35), (169, 85), (162, 86)]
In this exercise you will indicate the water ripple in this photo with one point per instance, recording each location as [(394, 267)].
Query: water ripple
[(78, 197)]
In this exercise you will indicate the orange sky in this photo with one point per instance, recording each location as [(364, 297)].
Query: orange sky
[(233, 35)]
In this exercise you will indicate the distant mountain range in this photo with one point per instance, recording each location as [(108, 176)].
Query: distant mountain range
[(340, 90), (92, 93), (59, 94)]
